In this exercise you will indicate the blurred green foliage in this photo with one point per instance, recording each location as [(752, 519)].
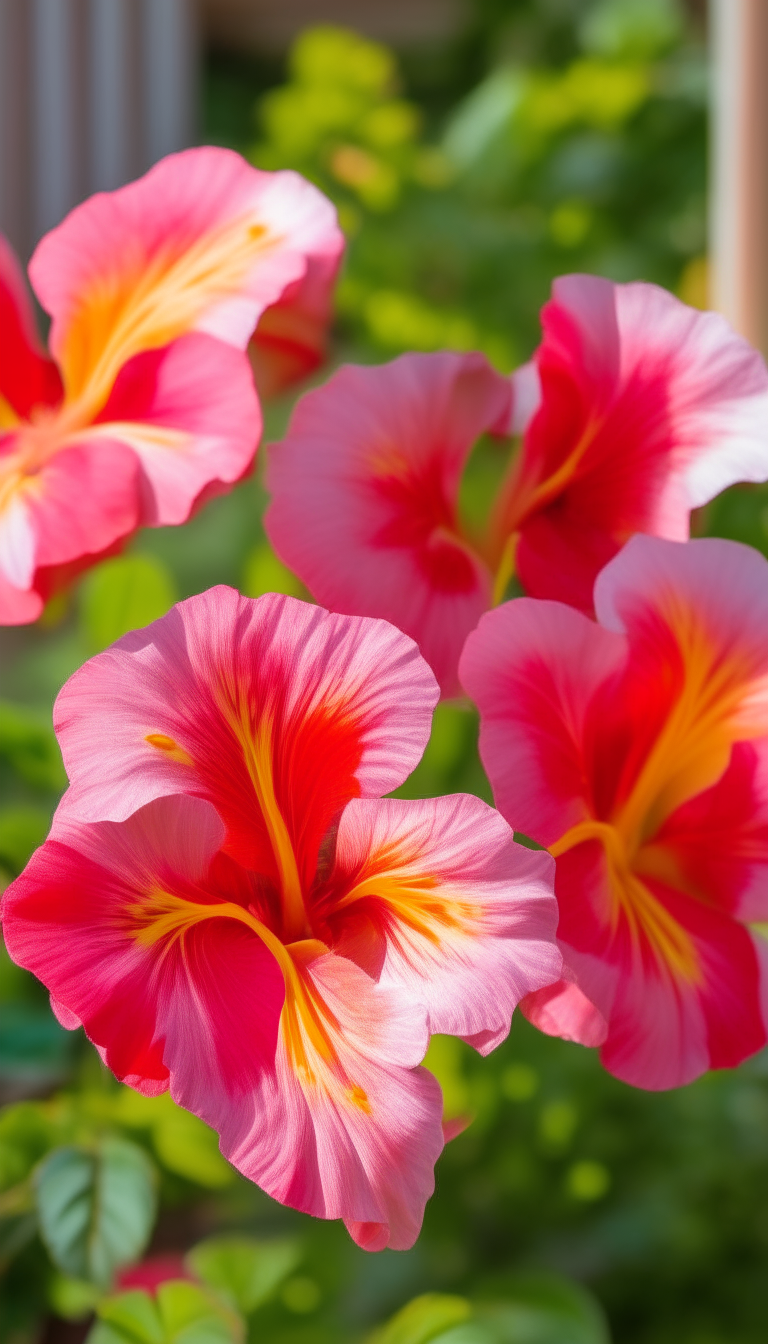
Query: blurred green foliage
[(552, 135)]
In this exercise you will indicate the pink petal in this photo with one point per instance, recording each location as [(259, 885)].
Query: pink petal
[(202, 242), (365, 495), (354, 1134), (436, 897), (537, 670), (649, 408), (212, 997), (290, 340), (564, 1010), (79, 502), (191, 415), (664, 1033), (343, 705), (27, 377), (719, 838), (636, 749)]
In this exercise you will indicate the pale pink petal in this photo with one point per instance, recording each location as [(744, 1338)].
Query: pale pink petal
[(335, 706), (79, 502), (17, 606), (202, 242), (526, 397), (191, 415), (365, 496), (536, 671), (564, 1010), (435, 896)]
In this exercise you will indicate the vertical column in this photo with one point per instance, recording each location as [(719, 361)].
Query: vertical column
[(114, 81), (170, 63), (56, 147), (739, 166), (15, 147)]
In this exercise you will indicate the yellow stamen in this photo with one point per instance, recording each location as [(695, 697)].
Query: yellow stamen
[(169, 748)]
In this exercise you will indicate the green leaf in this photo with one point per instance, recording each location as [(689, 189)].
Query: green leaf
[(32, 1045), (425, 1319), (264, 573), (124, 594), (244, 1271), (28, 744), (545, 1310), (73, 1299), (96, 1207), (187, 1146), (22, 829), (179, 1313)]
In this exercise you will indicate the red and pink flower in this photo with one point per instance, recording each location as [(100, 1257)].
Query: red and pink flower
[(148, 404), (232, 910), (635, 410), (636, 750)]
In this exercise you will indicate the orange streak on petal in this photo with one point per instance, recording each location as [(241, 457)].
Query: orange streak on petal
[(169, 748), (715, 709), (645, 915), (150, 302), (255, 740)]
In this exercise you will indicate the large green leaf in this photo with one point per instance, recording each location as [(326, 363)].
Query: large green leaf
[(28, 744), (179, 1313), (244, 1271), (425, 1319), (22, 829), (124, 594), (545, 1310), (96, 1207)]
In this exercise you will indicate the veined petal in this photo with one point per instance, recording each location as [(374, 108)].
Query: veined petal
[(539, 673), (191, 415), (308, 1070), (641, 742), (348, 1127), (715, 846), (277, 711), (696, 617), (648, 409), (202, 242), (27, 377), (365, 496), (676, 979), (436, 896), (88, 916)]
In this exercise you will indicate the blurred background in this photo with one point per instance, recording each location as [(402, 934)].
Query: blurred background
[(474, 149)]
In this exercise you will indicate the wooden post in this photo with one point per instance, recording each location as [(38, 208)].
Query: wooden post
[(739, 165)]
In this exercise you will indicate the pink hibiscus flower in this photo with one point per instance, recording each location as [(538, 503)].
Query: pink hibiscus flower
[(636, 750), (232, 911), (148, 404), (635, 410)]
